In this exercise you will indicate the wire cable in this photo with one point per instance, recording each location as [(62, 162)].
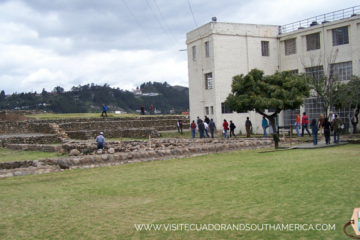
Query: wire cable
[(140, 24), (159, 21), (166, 23)]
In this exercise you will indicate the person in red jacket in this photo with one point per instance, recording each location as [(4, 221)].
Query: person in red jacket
[(226, 127), (305, 123)]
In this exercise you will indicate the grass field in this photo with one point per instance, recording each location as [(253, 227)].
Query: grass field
[(7, 155), (289, 187), (84, 115)]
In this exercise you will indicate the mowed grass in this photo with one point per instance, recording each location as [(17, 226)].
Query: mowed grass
[(290, 187), (8, 155), (85, 115)]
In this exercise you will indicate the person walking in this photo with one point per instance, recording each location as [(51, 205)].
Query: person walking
[(100, 141), (201, 127), (226, 127), (151, 109), (212, 127), (104, 111), (232, 128), (142, 109), (179, 126), (206, 129), (297, 124), (248, 125), (337, 126), (305, 122), (326, 126), (193, 128), (264, 125), (207, 120), (320, 123), (314, 129)]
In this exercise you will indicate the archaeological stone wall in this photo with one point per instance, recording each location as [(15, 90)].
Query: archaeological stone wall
[(136, 151), (114, 133), (11, 127), (38, 139)]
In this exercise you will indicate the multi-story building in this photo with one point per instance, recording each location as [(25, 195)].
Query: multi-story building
[(218, 51)]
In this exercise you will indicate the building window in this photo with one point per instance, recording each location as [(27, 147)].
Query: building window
[(206, 110), (313, 108), (341, 71), (207, 49), (295, 71), (265, 48), (290, 117), (212, 110), (208, 81), (224, 109), (290, 46), (313, 41), (340, 36), (194, 53), (315, 72)]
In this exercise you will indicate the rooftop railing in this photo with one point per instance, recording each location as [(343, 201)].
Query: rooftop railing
[(321, 19)]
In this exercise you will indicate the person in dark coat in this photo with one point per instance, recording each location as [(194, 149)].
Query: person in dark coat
[(201, 127), (327, 128), (212, 127), (142, 110), (314, 129), (248, 125), (207, 120), (232, 128)]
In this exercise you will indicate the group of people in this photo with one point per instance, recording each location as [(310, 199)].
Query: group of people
[(203, 127), (206, 125), (326, 124), (142, 109)]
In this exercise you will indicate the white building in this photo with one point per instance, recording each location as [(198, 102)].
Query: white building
[(219, 51)]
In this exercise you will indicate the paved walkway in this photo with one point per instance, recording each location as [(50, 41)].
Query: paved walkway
[(319, 145)]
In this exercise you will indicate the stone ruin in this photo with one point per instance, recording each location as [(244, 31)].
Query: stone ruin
[(77, 139)]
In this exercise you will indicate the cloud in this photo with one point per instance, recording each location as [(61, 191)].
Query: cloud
[(44, 44)]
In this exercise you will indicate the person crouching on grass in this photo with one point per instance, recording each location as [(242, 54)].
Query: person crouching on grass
[(100, 141)]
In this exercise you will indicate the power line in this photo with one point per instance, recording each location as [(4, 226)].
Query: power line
[(140, 24), (166, 22), (159, 21), (192, 14)]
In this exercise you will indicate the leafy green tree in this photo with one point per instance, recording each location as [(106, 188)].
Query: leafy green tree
[(348, 96), (256, 92)]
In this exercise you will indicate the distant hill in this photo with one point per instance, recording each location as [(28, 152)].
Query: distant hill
[(90, 97)]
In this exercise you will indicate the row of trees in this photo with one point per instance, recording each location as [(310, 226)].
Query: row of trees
[(80, 98)]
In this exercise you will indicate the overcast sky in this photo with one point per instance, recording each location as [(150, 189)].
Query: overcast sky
[(49, 43)]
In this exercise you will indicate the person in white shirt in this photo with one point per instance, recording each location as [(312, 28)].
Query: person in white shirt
[(206, 129)]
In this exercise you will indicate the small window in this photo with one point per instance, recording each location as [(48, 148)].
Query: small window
[(206, 110), (313, 41), (315, 72), (208, 81), (224, 109), (340, 36), (212, 110), (290, 46), (296, 71), (207, 49), (341, 71), (194, 53), (264, 48)]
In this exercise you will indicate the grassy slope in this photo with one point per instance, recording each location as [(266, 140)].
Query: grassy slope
[(297, 186), (7, 155)]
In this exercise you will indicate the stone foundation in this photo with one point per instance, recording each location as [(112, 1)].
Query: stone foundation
[(39, 139), (161, 149), (115, 133)]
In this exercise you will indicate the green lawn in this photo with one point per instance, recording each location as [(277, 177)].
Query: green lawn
[(288, 187), (84, 115), (7, 155)]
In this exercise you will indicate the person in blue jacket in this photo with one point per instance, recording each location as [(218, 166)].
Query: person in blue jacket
[(264, 125), (100, 141), (314, 129), (104, 111)]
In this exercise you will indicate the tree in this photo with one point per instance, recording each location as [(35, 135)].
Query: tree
[(255, 92), (323, 81), (348, 96), (2, 95), (58, 90)]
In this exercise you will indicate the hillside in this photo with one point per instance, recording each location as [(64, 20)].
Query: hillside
[(90, 97)]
